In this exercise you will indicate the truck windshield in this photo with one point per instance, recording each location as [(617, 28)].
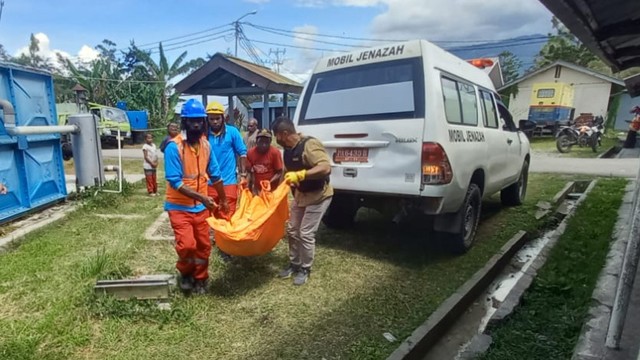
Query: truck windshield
[(114, 114), (381, 91)]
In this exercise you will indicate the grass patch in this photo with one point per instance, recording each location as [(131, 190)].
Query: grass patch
[(547, 324), (547, 145), (366, 281)]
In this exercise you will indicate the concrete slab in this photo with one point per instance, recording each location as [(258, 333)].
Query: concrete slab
[(591, 343), (36, 221)]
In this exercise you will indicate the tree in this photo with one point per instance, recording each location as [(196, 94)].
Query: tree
[(563, 46), (510, 65), (3, 54), (32, 58), (161, 74)]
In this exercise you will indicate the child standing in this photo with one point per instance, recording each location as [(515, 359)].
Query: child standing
[(172, 131), (150, 164)]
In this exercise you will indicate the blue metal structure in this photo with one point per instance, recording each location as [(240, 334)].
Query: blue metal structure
[(138, 119), (30, 165)]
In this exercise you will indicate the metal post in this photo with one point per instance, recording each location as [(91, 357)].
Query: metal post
[(266, 112), (232, 113), (627, 274), (285, 105), (119, 168), (236, 25)]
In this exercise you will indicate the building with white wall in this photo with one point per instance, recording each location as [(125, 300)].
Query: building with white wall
[(592, 90)]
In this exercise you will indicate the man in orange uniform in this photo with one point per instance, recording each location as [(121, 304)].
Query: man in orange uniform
[(189, 164)]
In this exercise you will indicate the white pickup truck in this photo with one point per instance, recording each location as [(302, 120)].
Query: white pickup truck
[(411, 128)]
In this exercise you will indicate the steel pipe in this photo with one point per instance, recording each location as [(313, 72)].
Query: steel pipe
[(40, 130)]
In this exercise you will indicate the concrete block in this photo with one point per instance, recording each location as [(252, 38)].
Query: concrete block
[(605, 291), (541, 213), (478, 345), (544, 205)]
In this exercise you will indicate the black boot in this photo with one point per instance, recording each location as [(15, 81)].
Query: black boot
[(200, 287), (185, 283)]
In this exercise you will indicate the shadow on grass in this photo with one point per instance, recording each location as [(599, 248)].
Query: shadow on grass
[(242, 275), (409, 244)]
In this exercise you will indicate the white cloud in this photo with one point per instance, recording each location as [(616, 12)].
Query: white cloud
[(85, 54), (450, 19), (306, 59), (459, 19)]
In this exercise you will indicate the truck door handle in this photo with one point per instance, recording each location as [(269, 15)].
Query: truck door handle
[(509, 141)]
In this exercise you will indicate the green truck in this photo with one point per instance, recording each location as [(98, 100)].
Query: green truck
[(111, 119)]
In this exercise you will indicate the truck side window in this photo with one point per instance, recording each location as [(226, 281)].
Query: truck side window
[(451, 101), (505, 116), (460, 102), (489, 110)]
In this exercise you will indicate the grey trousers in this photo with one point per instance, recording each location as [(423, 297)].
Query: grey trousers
[(301, 231)]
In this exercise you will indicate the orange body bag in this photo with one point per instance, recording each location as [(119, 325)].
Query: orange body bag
[(258, 223)]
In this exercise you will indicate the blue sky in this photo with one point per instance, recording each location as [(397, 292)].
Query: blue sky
[(75, 26)]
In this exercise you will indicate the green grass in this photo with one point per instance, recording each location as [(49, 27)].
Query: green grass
[(547, 144), (366, 281), (129, 166), (548, 322)]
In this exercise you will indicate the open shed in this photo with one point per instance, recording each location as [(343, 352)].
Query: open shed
[(225, 75)]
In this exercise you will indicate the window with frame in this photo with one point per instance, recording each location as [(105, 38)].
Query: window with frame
[(489, 110), (546, 93), (469, 103), (451, 101), (460, 102)]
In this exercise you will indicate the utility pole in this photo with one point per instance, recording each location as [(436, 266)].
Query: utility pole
[(1, 7), (237, 28), (279, 60)]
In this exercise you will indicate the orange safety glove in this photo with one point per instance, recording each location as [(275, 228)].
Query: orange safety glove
[(295, 177)]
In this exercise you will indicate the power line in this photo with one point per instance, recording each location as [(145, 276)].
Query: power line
[(314, 40), (298, 47), (181, 36), (278, 61), (265, 28), (190, 44)]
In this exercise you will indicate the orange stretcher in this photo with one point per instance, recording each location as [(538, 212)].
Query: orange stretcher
[(258, 223)]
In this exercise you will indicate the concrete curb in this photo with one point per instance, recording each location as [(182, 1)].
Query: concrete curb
[(591, 343), (562, 194), (607, 154), (513, 298), (24, 230), (149, 233), (437, 324)]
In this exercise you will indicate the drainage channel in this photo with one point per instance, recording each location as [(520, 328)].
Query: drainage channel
[(464, 337)]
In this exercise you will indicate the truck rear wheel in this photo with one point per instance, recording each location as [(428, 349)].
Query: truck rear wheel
[(341, 212), (461, 241)]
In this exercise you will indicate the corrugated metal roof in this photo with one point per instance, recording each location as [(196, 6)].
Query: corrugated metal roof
[(226, 75), (262, 71), (569, 65), (608, 28)]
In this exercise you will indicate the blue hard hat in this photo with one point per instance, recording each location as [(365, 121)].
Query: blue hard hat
[(192, 109)]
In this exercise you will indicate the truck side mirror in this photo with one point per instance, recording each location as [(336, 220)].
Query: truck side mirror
[(526, 125)]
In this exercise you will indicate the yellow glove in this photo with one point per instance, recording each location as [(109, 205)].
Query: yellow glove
[(295, 177)]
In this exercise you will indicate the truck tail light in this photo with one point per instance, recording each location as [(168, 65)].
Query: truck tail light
[(436, 169)]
